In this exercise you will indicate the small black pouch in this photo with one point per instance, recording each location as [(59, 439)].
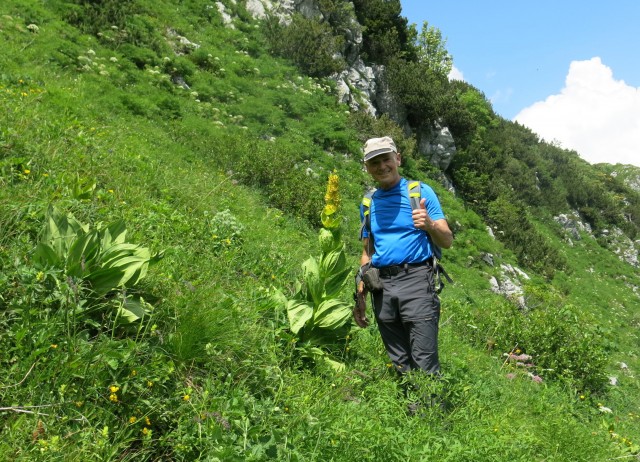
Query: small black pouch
[(371, 278)]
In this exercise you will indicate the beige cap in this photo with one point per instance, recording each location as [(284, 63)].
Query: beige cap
[(376, 146)]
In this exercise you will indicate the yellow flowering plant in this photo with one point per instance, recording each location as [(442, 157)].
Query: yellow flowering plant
[(316, 313)]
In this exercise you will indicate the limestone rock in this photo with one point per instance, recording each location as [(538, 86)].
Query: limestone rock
[(437, 145)]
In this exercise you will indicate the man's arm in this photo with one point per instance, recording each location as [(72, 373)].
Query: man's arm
[(359, 310), (440, 233), (437, 229)]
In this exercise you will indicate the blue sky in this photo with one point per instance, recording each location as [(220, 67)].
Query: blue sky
[(569, 70)]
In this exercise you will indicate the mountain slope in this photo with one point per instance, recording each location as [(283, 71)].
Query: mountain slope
[(218, 156)]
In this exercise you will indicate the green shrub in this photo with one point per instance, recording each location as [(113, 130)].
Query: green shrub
[(565, 344), (309, 43), (140, 56), (420, 89), (95, 15)]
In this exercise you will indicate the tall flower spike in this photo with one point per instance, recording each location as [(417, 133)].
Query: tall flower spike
[(329, 216)]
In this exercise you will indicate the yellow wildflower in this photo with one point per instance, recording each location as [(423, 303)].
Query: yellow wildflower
[(332, 203), (113, 398), (114, 389), (186, 398), (145, 431), (134, 373), (27, 171), (133, 419), (147, 421), (54, 346), (332, 195), (149, 383)]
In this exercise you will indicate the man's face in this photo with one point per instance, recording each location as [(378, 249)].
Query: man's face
[(384, 169)]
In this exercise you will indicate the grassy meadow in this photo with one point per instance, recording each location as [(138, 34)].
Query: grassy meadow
[(150, 227)]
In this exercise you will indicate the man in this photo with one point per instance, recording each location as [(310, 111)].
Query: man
[(399, 244)]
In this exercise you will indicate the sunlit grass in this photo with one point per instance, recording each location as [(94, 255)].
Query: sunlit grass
[(227, 178)]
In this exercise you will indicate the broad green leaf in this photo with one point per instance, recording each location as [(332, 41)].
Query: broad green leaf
[(115, 233), (117, 251), (127, 259), (311, 276), (60, 231), (332, 262), (334, 284), (298, 313), (279, 299), (132, 310), (46, 256), (320, 336), (82, 254), (133, 270), (105, 280), (331, 314)]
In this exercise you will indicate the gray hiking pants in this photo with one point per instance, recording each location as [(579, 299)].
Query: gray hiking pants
[(408, 312)]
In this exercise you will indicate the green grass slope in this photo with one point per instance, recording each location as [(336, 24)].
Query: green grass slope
[(223, 182)]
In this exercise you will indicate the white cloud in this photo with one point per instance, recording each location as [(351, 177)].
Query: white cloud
[(594, 114), (455, 74)]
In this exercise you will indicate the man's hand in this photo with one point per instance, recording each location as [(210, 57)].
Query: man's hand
[(360, 308), (421, 218), (437, 229)]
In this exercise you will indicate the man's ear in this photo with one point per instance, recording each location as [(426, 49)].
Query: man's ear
[(398, 158)]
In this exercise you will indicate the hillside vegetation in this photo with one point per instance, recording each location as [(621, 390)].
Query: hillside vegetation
[(164, 182)]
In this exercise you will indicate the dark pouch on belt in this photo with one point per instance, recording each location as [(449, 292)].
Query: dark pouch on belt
[(372, 281)]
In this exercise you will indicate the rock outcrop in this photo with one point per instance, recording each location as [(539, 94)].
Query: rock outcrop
[(509, 284), (572, 225), (362, 87)]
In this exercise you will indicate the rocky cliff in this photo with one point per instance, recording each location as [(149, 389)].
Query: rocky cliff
[(363, 87)]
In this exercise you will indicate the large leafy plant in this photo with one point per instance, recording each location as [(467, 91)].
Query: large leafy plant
[(317, 316), (98, 263)]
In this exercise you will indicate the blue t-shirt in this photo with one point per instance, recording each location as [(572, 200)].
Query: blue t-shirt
[(396, 240)]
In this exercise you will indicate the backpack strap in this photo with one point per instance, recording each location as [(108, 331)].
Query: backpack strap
[(414, 194), (366, 220)]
